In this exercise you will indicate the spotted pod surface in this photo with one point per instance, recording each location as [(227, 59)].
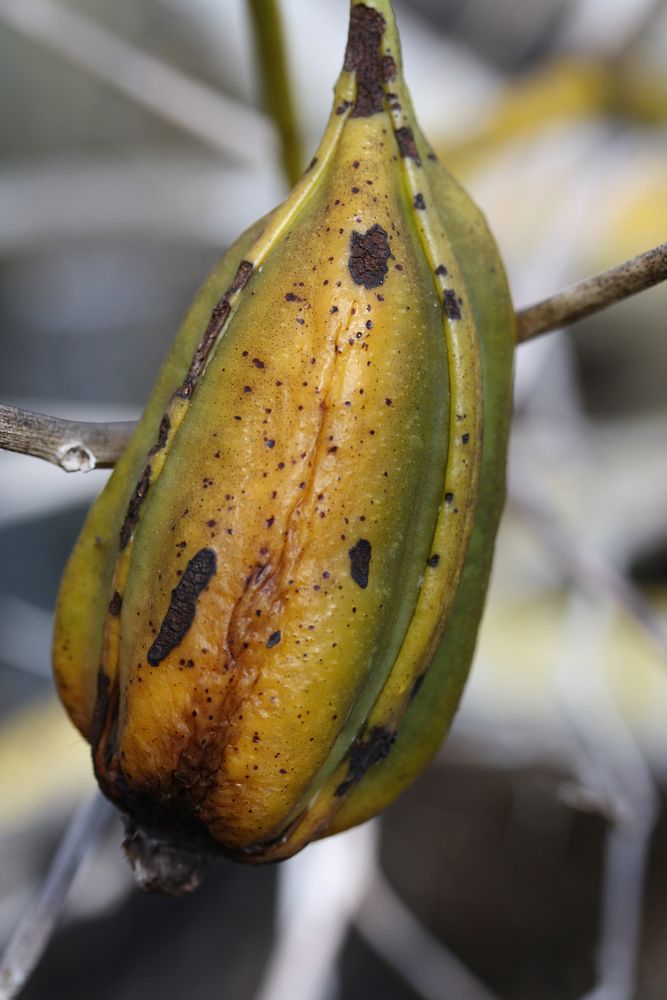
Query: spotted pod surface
[(304, 519)]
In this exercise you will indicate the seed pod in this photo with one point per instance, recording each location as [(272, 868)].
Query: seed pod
[(306, 512)]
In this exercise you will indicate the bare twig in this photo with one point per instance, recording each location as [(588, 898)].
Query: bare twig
[(272, 59), (192, 106), (593, 294), (74, 446), (35, 929)]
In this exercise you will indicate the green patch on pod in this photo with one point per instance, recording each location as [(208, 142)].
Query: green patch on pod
[(266, 624)]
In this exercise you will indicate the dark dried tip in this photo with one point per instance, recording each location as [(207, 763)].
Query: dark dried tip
[(363, 56), (160, 866)]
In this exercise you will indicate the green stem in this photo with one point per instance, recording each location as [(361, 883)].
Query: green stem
[(277, 94)]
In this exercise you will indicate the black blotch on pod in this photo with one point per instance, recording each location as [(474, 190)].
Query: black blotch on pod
[(360, 561), (183, 605), (369, 253), (363, 754)]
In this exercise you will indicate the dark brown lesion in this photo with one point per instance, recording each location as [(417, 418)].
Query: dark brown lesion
[(407, 145), (183, 605), (360, 562), (241, 278), (364, 753), (369, 253), (389, 70), (416, 687), (136, 500), (101, 707), (452, 304), (363, 56), (115, 604), (273, 640), (162, 435), (219, 317)]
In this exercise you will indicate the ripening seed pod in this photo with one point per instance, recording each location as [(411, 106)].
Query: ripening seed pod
[(268, 618)]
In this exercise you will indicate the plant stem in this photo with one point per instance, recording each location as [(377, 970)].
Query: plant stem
[(593, 294), (278, 100), (74, 446)]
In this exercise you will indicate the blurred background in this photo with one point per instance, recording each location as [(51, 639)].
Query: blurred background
[(530, 861)]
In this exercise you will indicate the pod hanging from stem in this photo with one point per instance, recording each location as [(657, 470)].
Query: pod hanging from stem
[(267, 621)]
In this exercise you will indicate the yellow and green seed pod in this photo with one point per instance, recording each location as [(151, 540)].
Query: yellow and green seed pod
[(267, 621)]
